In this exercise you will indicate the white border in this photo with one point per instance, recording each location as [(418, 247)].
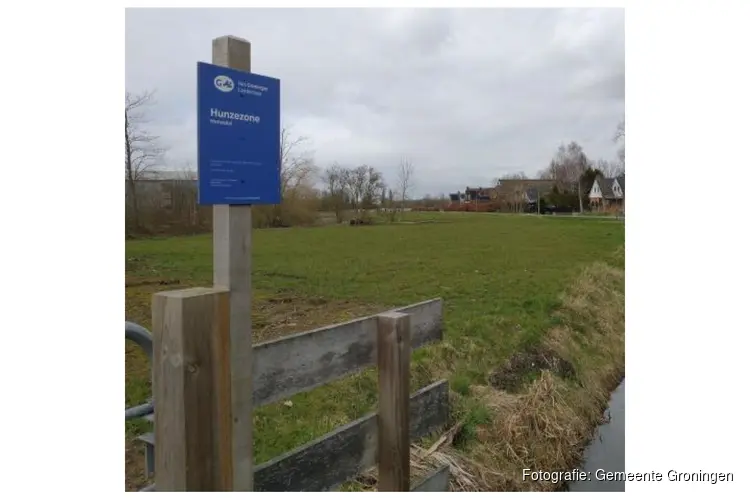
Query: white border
[(687, 271)]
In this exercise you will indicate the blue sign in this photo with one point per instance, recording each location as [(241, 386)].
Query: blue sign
[(239, 137)]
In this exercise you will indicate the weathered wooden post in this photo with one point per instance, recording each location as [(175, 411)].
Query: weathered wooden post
[(192, 420), (232, 227), (394, 355)]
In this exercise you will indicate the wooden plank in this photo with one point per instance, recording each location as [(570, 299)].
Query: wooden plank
[(232, 227), (437, 481), (189, 421), (394, 353), (325, 463), (302, 362)]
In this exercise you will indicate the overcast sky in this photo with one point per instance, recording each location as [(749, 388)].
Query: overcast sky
[(468, 95)]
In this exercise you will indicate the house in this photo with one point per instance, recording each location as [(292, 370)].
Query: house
[(478, 194), (472, 195), (607, 193), (162, 188), (456, 197)]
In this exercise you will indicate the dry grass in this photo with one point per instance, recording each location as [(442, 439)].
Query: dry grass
[(547, 425)]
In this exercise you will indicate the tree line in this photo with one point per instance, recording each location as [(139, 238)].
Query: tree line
[(364, 188), (345, 189), (307, 190)]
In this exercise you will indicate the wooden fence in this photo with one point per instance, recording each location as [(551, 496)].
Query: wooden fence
[(192, 446)]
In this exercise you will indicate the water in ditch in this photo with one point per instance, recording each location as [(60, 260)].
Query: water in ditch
[(606, 452)]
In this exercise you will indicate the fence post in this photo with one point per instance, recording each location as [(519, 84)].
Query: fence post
[(394, 353), (232, 226), (192, 390)]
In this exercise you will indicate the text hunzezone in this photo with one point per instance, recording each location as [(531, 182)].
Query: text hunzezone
[(231, 115)]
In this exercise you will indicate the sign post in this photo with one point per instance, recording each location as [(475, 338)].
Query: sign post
[(238, 165)]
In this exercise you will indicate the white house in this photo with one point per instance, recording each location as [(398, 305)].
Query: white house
[(608, 192)]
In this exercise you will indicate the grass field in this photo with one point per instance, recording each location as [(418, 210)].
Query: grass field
[(502, 280)]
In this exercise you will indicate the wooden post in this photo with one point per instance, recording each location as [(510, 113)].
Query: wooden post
[(232, 226), (394, 353), (192, 423)]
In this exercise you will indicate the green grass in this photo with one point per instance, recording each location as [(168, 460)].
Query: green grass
[(500, 278)]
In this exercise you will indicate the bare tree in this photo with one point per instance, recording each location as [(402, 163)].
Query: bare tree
[(609, 168), (374, 184), (297, 165), (516, 196), (620, 131), (188, 172), (620, 137), (391, 206), (355, 183), (298, 174), (548, 173), (405, 180), (142, 151), (568, 168), (363, 184), (336, 182)]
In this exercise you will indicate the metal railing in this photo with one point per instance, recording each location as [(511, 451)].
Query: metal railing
[(142, 337)]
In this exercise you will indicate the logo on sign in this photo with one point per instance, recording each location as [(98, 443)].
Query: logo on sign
[(224, 83)]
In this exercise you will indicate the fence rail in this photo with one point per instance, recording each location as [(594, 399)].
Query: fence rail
[(304, 361), (325, 463)]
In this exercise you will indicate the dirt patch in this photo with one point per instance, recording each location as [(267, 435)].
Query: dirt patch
[(274, 314), (278, 274), (134, 282), (281, 315), (528, 364)]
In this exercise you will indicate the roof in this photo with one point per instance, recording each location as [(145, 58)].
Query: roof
[(478, 189), (169, 175), (605, 184), (621, 182)]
